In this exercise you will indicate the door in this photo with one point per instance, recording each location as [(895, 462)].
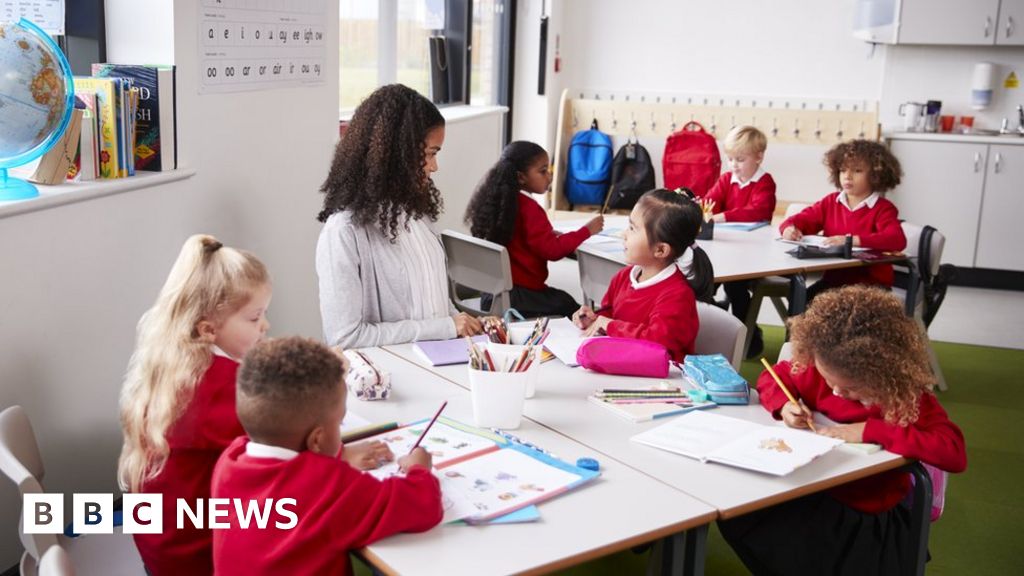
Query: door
[(1010, 31), (948, 22), (942, 186), (1002, 208)]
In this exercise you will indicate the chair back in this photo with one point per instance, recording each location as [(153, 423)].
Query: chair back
[(20, 459), (794, 208), (478, 265), (596, 273), (56, 562), (720, 333), (917, 283)]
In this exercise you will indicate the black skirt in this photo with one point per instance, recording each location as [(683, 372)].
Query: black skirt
[(818, 535), (536, 303)]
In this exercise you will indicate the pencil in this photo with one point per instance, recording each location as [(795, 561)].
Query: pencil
[(810, 421), (427, 429)]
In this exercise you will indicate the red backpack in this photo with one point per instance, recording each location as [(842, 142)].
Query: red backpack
[(691, 160)]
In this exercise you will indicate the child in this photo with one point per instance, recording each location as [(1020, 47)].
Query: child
[(745, 194), (861, 361), (863, 170), (178, 398), (291, 401), (652, 299), (503, 212)]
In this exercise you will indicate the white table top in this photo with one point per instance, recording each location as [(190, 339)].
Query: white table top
[(560, 404), (619, 510)]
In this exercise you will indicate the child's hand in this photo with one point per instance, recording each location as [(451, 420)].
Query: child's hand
[(583, 317), (368, 455), (720, 217), (466, 325), (598, 326), (797, 416), (596, 224), (834, 241), (792, 233), (418, 457), (845, 432)]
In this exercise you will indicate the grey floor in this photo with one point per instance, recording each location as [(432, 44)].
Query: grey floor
[(968, 315)]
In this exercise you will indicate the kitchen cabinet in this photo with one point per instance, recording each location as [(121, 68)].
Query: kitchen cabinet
[(1010, 31), (1002, 210), (952, 22)]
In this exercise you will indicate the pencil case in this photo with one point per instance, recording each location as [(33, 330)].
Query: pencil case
[(624, 357), (365, 379), (713, 374)]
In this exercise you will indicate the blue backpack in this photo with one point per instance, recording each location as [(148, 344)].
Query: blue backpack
[(590, 167)]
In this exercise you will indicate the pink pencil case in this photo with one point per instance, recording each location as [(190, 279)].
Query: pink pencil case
[(624, 357)]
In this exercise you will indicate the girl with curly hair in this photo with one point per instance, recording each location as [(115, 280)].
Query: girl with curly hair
[(862, 362), (380, 265), (863, 171), (503, 211)]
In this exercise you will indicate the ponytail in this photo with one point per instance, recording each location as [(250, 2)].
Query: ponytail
[(702, 276)]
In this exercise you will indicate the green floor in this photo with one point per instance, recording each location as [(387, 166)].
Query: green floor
[(976, 533)]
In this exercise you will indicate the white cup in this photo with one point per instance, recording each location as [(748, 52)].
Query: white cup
[(518, 332), (498, 398), (913, 114)]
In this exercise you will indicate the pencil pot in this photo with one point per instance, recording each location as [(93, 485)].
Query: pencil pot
[(507, 355), (498, 398), (707, 230)]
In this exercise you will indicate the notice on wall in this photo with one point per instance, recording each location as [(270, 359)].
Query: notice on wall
[(249, 45), (47, 14)]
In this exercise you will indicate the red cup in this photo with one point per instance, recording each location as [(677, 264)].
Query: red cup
[(946, 123), (966, 123)]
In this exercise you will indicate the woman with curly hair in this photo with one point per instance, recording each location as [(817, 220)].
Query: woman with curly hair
[(381, 268), (863, 171), (502, 211), (862, 362)]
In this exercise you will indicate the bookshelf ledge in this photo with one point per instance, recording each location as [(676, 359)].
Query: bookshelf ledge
[(71, 192)]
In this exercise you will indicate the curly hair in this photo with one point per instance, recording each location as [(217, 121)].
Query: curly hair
[(674, 218), (863, 334), (883, 168), (491, 213), (377, 172)]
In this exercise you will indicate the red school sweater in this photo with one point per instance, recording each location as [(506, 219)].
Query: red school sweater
[(754, 202), (196, 439), (932, 438), (534, 242), (338, 508), (878, 227), (665, 312)]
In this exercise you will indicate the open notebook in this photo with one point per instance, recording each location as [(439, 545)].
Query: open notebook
[(564, 340), (712, 437), (483, 476), (815, 240)]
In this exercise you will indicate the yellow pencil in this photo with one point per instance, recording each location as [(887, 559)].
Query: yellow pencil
[(810, 421)]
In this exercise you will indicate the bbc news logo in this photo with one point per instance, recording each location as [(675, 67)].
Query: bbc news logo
[(144, 513)]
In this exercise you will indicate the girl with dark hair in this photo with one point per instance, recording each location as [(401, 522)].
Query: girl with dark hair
[(654, 298), (381, 268), (502, 211)]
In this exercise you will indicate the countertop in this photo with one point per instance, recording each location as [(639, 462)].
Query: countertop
[(1012, 139)]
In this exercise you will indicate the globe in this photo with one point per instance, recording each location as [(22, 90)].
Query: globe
[(36, 100)]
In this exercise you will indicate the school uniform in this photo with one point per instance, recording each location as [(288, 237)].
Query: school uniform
[(197, 438), (875, 221), (750, 201), (534, 243), (661, 309), (857, 528), (338, 509)]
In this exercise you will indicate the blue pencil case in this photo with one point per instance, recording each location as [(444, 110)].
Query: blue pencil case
[(713, 374)]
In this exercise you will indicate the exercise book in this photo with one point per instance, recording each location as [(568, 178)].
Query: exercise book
[(445, 352)]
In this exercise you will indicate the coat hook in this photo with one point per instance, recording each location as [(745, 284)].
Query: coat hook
[(575, 120), (615, 122), (652, 122), (796, 128), (672, 126), (817, 128), (861, 135), (775, 127), (713, 125), (732, 121), (839, 133)]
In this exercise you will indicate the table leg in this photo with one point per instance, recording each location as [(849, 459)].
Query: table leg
[(681, 554), (695, 551), (797, 294)]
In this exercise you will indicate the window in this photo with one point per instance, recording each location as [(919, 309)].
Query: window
[(358, 31), (486, 51)]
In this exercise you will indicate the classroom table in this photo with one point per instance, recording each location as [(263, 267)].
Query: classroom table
[(621, 509)]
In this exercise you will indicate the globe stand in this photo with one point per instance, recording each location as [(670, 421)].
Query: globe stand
[(15, 188)]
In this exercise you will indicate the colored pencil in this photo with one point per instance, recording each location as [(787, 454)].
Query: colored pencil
[(427, 429), (810, 421)]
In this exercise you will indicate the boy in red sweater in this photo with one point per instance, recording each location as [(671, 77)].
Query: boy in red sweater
[(859, 360), (863, 171), (652, 299), (744, 194), (291, 401)]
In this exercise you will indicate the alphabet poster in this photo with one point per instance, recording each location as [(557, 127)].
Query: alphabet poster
[(261, 44), (47, 14)]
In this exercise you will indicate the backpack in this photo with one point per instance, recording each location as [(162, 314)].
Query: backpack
[(589, 167), (632, 175), (692, 160)]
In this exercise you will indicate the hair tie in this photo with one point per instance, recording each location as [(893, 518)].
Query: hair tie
[(211, 245)]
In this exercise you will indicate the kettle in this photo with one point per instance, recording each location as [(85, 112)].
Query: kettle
[(913, 113)]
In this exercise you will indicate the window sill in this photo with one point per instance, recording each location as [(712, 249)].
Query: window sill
[(72, 192), (455, 113)]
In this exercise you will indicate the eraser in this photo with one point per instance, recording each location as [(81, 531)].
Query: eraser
[(588, 464)]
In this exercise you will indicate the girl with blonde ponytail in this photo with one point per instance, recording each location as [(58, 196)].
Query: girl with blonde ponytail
[(178, 398)]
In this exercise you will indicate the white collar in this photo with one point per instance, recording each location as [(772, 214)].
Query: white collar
[(218, 352), (664, 274), (757, 176), (869, 201), (257, 450)]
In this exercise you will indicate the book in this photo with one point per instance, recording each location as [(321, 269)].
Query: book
[(709, 437), (564, 340), (445, 352), (104, 90), (87, 161), (155, 145), (744, 226), (647, 411), (54, 166), (484, 476)]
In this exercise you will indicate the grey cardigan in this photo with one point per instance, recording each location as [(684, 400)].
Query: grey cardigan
[(365, 289)]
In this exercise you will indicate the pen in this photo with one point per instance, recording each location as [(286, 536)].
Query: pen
[(427, 429), (810, 421)]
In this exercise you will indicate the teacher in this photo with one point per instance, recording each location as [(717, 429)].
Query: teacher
[(380, 265)]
